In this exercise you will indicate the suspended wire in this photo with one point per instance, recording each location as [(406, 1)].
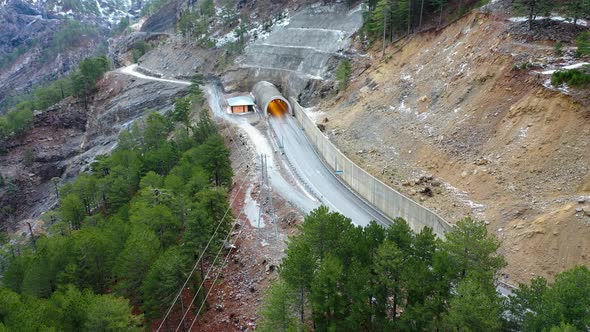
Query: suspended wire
[(233, 137), (211, 268), (214, 281)]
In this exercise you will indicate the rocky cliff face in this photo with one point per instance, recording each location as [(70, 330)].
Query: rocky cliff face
[(28, 30), (164, 20), (108, 10), (66, 138)]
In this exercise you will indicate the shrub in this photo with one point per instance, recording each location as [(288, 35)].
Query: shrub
[(559, 48), (71, 34), (139, 49), (15, 122), (29, 157), (583, 43), (121, 26), (571, 77), (152, 7), (343, 74)]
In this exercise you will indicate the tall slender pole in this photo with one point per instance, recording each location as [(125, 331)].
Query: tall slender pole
[(261, 189), (272, 210)]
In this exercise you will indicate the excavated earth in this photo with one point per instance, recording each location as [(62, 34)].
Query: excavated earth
[(447, 118)]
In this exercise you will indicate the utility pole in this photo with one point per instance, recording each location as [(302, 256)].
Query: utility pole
[(262, 167), (271, 207)]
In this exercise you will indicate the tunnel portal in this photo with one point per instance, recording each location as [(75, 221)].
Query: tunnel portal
[(270, 100)]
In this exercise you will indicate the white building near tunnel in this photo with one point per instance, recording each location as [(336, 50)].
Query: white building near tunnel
[(241, 104)]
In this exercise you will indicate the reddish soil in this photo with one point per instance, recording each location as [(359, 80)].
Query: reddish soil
[(239, 286)]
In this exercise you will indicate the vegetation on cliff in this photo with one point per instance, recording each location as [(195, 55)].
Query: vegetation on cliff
[(80, 84), (571, 77), (574, 9)]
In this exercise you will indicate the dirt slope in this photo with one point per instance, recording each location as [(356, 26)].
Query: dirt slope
[(445, 113)]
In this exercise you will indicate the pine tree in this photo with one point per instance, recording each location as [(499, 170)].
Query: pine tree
[(109, 313), (472, 251), (576, 9), (205, 127), (182, 112), (475, 307), (297, 270), (141, 249), (389, 266), (162, 282), (277, 309), (72, 210), (343, 74), (534, 8), (327, 297), (583, 43), (216, 160)]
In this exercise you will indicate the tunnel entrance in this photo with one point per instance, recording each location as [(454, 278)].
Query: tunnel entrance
[(270, 101), (277, 107)]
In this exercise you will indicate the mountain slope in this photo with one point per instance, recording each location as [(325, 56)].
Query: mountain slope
[(43, 40), (501, 144)]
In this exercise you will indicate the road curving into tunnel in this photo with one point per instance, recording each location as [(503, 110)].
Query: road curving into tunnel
[(306, 163)]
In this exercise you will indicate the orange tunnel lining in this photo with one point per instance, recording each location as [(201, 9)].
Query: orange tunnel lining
[(277, 107)]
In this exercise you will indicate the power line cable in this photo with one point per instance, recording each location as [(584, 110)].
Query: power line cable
[(233, 137), (213, 264)]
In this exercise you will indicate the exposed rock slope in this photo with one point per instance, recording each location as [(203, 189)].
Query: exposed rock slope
[(500, 145), (28, 30), (66, 138)]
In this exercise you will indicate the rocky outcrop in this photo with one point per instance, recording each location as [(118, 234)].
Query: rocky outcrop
[(25, 35), (66, 138), (121, 46), (181, 60), (164, 20), (27, 29), (298, 51)]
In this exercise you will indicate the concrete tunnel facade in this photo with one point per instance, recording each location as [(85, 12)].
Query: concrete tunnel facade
[(270, 100)]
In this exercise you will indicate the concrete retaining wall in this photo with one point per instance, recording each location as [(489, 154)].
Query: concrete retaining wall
[(388, 200)]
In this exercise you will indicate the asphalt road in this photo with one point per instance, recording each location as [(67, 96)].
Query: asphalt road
[(306, 163), (310, 168)]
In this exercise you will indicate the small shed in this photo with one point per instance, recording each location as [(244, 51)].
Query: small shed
[(241, 104)]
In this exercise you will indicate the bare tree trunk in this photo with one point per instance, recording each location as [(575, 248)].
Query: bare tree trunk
[(384, 30), (409, 16), (391, 27), (395, 303), (302, 305), (531, 14), (421, 13), (61, 87), (32, 235)]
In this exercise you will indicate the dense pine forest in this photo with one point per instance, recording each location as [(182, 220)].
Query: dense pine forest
[(340, 277), (124, 234)]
